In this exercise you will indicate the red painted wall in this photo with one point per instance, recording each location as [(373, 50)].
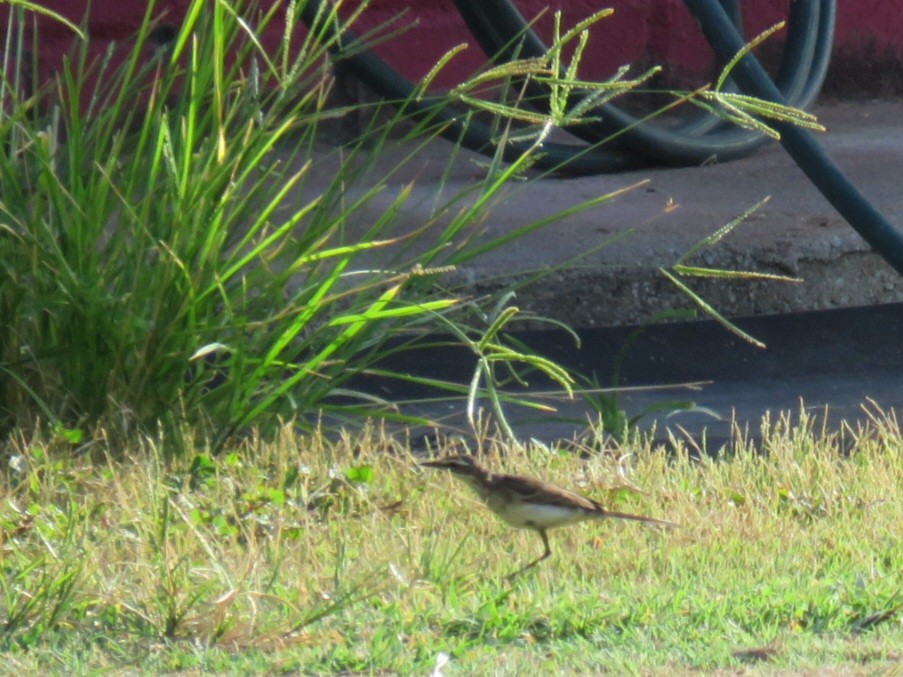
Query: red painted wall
[(651, 31)]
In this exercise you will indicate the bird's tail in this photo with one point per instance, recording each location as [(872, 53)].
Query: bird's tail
[(638, 518)]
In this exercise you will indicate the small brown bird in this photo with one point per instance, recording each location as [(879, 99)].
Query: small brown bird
[(526, 503)]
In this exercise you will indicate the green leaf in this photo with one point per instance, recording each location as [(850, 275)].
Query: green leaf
[(718, 235), (747, 48), (698, 271), (70, 435), (360, 474), (711, 312), (275, 496), (737, 498), (202, 470)]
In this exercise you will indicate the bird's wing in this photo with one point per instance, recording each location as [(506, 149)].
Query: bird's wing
[(533, 491)]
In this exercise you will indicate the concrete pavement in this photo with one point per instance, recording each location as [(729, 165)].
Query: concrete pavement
[(796, 233)]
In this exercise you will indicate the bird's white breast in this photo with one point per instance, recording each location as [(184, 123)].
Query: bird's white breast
[(524, 515)]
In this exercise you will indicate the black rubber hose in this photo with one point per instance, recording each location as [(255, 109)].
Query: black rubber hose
[(502, 30), (705, 122), (886, 239), (819, 62)]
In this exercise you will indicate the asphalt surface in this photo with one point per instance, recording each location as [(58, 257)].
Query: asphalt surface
[(838, 369)]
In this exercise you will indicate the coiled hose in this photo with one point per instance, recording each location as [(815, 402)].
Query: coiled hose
[(498, 26)]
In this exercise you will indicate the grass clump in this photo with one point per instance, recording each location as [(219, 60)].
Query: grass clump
[(301, 554), (177, 244)]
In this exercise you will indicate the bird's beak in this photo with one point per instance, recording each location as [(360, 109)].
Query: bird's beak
[(432, 464)]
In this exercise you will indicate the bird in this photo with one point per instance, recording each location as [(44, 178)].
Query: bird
[(527, 503)]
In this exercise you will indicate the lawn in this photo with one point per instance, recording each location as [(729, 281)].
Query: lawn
[(298, 554)]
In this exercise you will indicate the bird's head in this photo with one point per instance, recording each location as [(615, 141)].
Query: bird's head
[(461, 465)]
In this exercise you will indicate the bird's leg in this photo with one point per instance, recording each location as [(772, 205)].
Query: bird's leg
[(545, 555)]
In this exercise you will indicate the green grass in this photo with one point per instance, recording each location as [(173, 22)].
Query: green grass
[(297, 554)]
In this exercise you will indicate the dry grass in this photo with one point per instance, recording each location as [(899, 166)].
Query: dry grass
[(301, 554)]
